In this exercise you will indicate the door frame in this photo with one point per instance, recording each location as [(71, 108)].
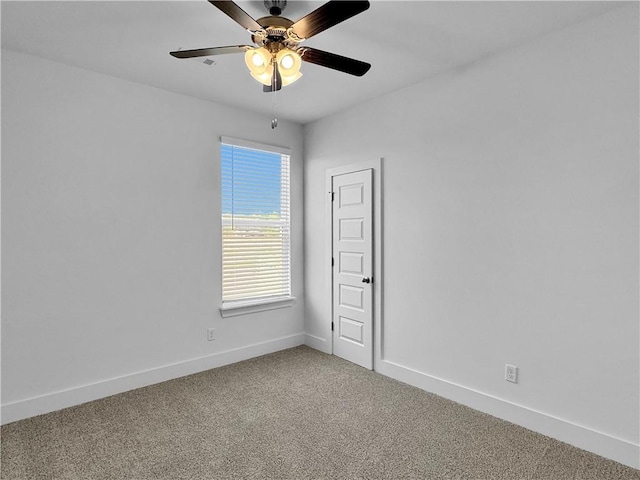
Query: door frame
[(377, 274)]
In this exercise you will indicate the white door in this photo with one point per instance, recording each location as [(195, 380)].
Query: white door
[(352, 232)]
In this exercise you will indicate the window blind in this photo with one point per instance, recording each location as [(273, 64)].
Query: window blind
[(255, 223)]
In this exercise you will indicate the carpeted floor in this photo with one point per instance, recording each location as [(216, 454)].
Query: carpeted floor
[(296, 414)]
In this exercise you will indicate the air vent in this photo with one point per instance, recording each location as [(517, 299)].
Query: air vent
[(206, 61)]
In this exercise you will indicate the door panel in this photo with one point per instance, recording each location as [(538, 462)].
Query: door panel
[(351, 262), (352, 223), (351, 330), (351, 229), (352, 297)]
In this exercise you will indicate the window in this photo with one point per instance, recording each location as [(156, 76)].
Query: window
[(255, 225)]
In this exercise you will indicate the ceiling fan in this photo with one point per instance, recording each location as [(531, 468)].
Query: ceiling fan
[(276, 58)]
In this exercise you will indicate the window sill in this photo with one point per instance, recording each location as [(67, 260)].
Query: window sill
[(232, 309)]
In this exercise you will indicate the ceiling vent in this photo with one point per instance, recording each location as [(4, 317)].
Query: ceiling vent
[(206, 61)]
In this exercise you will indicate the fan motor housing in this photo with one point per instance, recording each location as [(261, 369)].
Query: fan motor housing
[(273, 21), (276, 31)]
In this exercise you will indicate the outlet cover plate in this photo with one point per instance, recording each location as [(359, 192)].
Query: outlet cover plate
[(511, 373)]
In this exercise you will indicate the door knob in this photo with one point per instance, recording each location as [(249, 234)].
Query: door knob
[(366, 280)]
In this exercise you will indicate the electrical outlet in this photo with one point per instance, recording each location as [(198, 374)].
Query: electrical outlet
[(511, 373), (211, 334)]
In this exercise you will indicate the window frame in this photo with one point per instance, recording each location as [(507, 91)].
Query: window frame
[(245, 306)]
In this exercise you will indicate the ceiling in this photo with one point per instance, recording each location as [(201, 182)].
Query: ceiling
[(405, 41)]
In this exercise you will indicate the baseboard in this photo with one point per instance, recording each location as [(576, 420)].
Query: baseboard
[(579, 436), (75, 396), (317, 343)]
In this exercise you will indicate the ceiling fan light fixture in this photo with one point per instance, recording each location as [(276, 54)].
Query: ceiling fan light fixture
[(258, 60), (265, 77), (289, 62), (289, 79)]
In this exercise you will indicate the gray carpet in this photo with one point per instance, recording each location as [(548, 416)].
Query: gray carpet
[(296, 414)]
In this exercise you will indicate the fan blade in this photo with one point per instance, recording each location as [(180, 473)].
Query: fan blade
[(237, 14), (328, 15), (205, 52), (336, 62), (276, 81)]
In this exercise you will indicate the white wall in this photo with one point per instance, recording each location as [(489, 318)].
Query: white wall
[(510, 231), (111, 236)]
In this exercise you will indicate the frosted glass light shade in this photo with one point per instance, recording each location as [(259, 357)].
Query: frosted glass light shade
[(264, 78), (289, 63), (258, 60), (289, 79)]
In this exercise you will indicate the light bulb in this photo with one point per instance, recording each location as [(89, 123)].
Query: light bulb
[(256, 59), (287, 61)]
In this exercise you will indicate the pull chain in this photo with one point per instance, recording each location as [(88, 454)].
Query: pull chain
[(274, 120), (274, 91)]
